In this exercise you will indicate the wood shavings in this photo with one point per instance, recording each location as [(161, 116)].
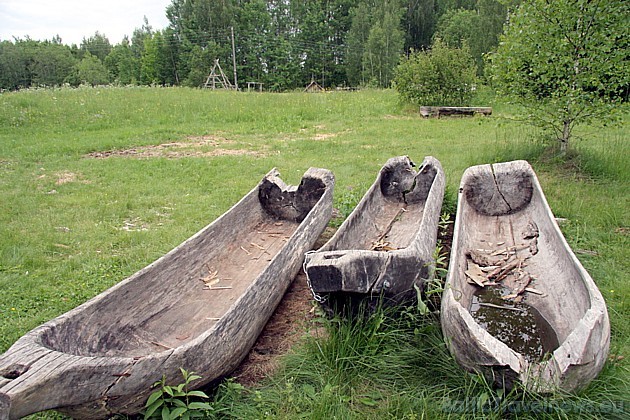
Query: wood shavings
[(510, 250), (481, 258), (475, 274), (212, 279), (534, 291), (382, 245), (155, 343), (505, 266)]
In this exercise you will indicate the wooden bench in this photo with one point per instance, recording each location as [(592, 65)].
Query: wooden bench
[(439, 111)]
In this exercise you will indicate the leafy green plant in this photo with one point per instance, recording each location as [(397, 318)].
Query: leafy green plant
[(434, 286), (444, 223), (172, 402), (429, 298), (345, 204)]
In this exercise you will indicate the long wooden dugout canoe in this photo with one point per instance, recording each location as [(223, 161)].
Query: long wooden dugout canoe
[(518, 305), (200, 307), (386, 245)]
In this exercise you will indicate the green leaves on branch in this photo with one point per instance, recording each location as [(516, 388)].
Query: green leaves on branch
[(441, 76), (567, 62)]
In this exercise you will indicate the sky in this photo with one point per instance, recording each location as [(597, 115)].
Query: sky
[(74, 20)]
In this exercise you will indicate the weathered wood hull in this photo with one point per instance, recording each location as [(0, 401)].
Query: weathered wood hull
[(386, 244), (503, 206), (200, 307)]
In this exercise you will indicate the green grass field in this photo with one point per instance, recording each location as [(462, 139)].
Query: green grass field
[(72, 224)]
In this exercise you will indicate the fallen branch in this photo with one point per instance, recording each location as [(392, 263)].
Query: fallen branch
[(508, 308)]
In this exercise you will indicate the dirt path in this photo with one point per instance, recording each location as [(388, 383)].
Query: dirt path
[(291, 321)]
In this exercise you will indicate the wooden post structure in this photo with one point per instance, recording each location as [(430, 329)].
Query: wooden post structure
[(440, 111), (217, 80)]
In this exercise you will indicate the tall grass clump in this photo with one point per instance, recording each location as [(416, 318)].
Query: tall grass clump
[(396, 365)]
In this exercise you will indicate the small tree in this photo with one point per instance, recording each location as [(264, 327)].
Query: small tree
[(440, 76), (565, 61), (91, 71)]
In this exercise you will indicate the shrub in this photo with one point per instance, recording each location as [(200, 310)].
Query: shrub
[(441, 76)]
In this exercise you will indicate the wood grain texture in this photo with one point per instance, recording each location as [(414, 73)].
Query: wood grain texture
[(386, 244), (200, 307), (500, 204)]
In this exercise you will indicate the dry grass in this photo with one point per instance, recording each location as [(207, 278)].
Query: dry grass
[(195, 146)]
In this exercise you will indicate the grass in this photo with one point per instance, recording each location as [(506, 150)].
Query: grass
[(72, 226)]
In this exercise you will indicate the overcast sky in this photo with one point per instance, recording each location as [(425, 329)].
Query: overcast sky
[(73, 20)]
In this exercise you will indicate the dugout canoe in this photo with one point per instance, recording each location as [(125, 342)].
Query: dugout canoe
[(200, 307), (518, 305), (386, 245)]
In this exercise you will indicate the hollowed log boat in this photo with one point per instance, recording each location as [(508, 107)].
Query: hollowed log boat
[(200, 307), (518, 305), (386, 245)]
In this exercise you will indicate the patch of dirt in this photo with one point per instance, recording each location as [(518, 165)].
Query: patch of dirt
[(134, 225), (289, 323), (67, 177), (324, 136), (285, 328), (202, 146)]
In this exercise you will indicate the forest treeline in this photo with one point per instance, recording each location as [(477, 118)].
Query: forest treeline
[(283, 44)]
